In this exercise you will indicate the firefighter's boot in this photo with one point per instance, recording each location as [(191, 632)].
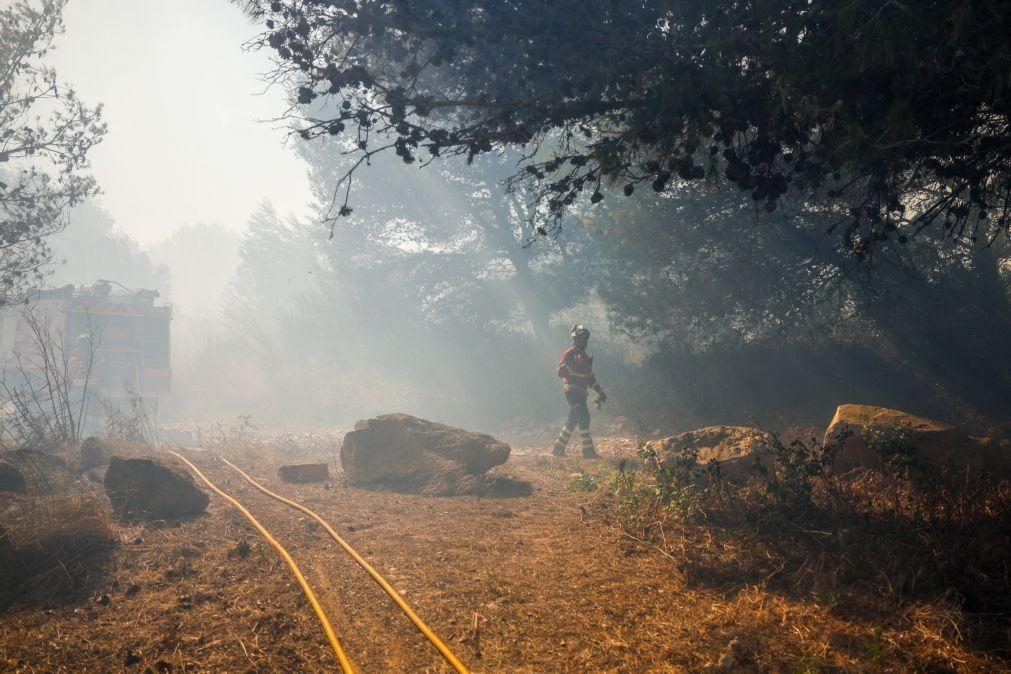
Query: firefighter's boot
[(589, 452), (562, 441)]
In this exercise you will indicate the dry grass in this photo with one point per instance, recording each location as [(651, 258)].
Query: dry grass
[(242, 443), (55, 545), (927, 551), (538, 583)]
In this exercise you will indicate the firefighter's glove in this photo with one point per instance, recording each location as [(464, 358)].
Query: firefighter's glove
[(601, 399)]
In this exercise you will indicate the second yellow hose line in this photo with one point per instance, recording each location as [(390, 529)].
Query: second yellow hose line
[(394, 595), (331, 636)]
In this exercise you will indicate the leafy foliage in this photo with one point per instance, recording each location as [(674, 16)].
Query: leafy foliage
[(430, 303), (581, 482), (695, 272), (46, 133), (647, 501), (896, 114)]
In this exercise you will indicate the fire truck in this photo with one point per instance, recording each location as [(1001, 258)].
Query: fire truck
[(121, 333)]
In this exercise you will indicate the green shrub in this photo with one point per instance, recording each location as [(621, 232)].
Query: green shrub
[(582, 482)]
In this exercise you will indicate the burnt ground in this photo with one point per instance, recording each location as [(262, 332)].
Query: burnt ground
[(532, 579)]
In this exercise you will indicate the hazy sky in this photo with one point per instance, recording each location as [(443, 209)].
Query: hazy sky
[(182, 103)]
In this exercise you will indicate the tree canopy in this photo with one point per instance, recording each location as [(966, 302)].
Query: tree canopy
[(46, 134), (894, 113)]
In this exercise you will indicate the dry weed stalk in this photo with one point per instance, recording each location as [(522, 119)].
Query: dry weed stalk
[(45, 395), (243, 444), (134, 424)]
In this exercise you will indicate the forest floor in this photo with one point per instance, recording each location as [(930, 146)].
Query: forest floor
[(535, 578)]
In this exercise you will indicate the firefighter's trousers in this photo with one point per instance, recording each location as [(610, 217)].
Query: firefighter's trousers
[(579, 415)]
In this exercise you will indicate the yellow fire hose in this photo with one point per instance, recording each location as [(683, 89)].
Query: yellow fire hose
[(394, 595), (331, 636)]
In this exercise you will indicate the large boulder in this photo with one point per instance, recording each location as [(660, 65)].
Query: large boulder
[(11, 479), (30, 470), (405, 452), (737, 452), (865, 436), (152, 488)]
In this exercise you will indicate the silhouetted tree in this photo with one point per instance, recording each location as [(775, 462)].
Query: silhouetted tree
[(696, 273), (898, 112), (441, 277)]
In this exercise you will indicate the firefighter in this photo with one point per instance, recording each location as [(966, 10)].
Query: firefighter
[(576, 371)]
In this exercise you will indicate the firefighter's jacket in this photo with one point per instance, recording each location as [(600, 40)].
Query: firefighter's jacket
[(576, 370)]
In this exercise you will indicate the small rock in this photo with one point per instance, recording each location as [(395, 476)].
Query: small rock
[(304, 473)]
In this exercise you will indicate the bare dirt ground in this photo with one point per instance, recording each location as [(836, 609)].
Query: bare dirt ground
[(533, 579)]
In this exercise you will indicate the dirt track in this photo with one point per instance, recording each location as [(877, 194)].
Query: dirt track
[(527, 583)]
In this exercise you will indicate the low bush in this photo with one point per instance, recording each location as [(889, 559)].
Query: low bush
[(648, 500), (914, 533), (581, 482)]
